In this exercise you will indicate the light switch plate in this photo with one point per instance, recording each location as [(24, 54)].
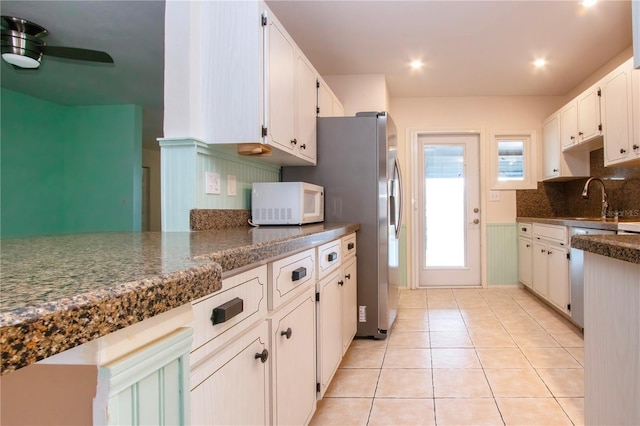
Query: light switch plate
[(212, 183), (494, 195), (231, 185)]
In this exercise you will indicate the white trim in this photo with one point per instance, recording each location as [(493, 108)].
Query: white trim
[(529, 181)]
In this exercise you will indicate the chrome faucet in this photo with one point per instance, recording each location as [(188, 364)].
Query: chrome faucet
[(605, 203)]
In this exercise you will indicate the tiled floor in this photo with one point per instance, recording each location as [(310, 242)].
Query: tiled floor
[(495, 356)]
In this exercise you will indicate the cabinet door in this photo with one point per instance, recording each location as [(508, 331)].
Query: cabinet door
[(232, 387), (540, 276), (280, 95), (525, 260), (325, 101), (568, 125), (349, 303), (617, 113), (589, 114), (558, 277), (329, 343), (551, 147), (294, 363), (306, 100)]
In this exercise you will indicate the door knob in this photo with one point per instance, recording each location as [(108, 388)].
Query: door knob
[(476, 210), (475, 221)]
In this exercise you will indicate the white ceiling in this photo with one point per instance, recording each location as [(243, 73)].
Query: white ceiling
[(469, 47)]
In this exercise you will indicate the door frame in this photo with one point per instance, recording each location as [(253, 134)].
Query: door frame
[(414, 168)]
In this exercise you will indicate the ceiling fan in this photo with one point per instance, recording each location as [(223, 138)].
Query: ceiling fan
[(23, 47)]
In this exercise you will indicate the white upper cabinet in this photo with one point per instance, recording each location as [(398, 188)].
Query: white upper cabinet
[(618, 96), (328, 103), (559, 165), (280, 58), (234, 76), (569, 125), (589, 125)]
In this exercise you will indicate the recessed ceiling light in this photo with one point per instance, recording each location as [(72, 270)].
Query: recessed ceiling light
[(416, 64), (589, 3), (539, 63)]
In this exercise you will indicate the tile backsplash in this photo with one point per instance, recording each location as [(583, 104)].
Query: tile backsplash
[(564, 199)]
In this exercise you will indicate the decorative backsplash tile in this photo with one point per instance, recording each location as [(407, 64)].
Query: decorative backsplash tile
[(564, 199)]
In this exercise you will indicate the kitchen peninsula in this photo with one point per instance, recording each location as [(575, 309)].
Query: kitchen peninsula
[(612, 328), (61, 293)]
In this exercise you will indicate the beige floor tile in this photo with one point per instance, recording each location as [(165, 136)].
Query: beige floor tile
[(409, 339), (354, 383), (444, 313), (502, 358), (568, 338), (577, 353), (521, 324), (342, 411), (470, 383), (491, 338), (472, 303), (532, 411), (367, 343), (484, 324), (516, 382), (450, 339), (413, 324), (442, 304), (407, 358), (363, 358), (407, 412), (467, 411), (574, 407), (412, 303), (550, 358), (454, 358), (439, 292), (477, 314), (533, 339), (404, 383), (413, 313), (554, 322), (447, 324), (564, 382)]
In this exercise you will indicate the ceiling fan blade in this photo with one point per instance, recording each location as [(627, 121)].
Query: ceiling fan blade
[(77, 54)]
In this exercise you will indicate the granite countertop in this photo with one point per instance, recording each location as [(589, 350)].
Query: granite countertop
[(58, 292), (580, 222), (621, 247)]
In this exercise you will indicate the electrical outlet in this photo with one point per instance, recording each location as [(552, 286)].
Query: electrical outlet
[(231, 185), (212, 183)]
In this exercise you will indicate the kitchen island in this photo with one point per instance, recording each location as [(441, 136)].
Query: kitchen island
[(98, 328), (59, 292), (612, 328)]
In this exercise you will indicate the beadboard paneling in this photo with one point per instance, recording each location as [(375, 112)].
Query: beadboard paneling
[(502, 253)]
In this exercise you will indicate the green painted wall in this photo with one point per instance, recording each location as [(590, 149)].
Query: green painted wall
[(68, 169), (502, 254)]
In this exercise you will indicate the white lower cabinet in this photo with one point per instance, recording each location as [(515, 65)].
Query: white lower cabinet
[(232, 386), (525, 261), (329, 314), (349, 303), (292, 332), (551, 265)]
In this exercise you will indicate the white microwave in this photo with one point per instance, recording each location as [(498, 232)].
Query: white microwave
[(286, 203)]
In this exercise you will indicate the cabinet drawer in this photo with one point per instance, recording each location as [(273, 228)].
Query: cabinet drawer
[(250, 288), (525, 229), (289, 275), (329, 257), (553, 233), (348, 246)]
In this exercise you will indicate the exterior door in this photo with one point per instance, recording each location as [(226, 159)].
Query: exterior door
[(449, 210)]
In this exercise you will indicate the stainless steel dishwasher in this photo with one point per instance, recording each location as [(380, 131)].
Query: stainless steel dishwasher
[(577, 274)]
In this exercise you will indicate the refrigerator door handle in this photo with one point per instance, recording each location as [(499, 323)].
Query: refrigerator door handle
[(400, 197)]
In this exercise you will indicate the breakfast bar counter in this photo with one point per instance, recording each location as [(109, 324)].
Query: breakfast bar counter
[(58, 292)]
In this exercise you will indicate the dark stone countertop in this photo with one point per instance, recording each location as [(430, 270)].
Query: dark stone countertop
[(593, 223), (621, 247), (58, 292)]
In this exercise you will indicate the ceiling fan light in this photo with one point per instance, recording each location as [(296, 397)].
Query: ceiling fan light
[(21, 60)]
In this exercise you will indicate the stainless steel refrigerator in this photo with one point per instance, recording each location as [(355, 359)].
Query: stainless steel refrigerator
[(358, 167)]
